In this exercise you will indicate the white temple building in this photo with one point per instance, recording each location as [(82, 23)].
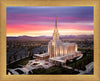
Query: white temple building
[(57, 48), (58, 51)]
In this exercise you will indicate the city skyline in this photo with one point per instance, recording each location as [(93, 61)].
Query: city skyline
[(39, 21)]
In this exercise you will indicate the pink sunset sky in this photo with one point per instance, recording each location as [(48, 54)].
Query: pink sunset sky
[(40, 21)]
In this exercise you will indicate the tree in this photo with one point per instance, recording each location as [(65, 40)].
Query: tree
[(67, 62)]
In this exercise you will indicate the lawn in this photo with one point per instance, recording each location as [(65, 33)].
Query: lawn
[(20, 62), (54, 70)]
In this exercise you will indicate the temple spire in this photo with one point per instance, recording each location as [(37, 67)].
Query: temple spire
[(55, 21), (55, 34), (55, 30)]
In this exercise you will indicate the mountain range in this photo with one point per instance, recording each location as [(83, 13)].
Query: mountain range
[(50, 37)]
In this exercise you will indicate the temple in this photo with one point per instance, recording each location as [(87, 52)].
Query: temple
[(58, 51)]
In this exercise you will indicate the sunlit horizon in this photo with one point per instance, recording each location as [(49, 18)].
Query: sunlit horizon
[(50, 33)]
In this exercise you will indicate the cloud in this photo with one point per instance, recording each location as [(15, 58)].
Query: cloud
[(24, 19)]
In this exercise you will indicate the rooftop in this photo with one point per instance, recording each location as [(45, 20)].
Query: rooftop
[(62, 58), (42, 55)]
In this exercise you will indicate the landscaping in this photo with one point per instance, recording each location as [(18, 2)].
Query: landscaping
[(17, 63), (81, 63), (54, 70)]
